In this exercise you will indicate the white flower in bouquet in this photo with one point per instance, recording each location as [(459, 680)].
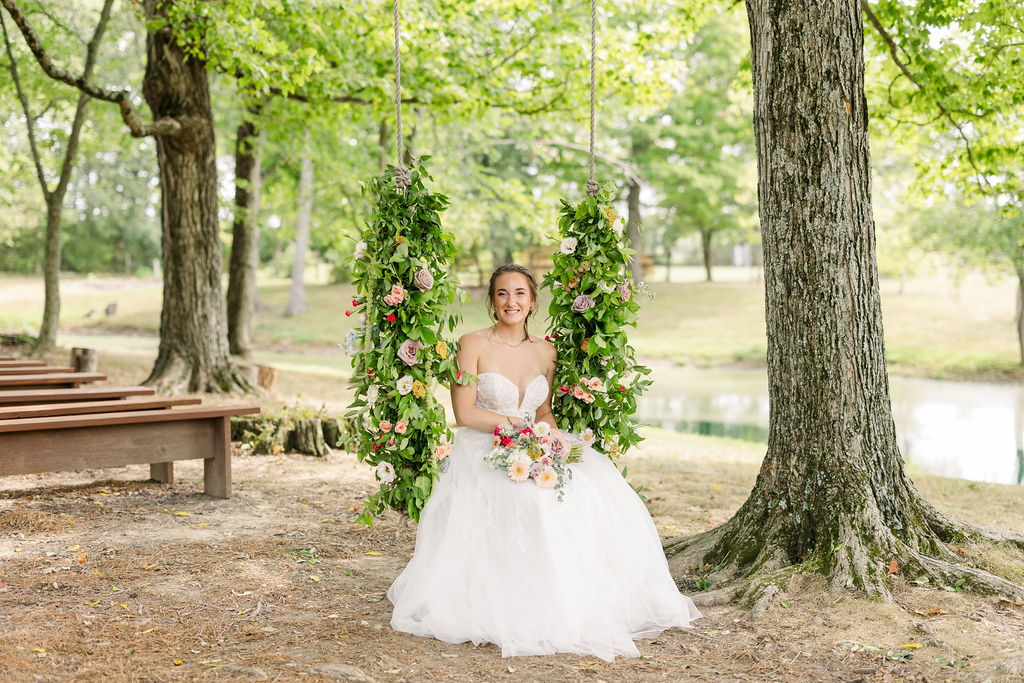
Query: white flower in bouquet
[(542, 429), (404, 384), (568, 245), (385, 471), (519, 470), (587, 437), (360, 250), (372, 392)]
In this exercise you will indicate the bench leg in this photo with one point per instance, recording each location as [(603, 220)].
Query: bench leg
[(217, 470), (162, 472)]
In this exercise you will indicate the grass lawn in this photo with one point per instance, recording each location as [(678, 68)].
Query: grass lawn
[(934, 327)]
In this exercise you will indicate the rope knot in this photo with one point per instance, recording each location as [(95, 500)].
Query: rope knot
[(403, 178), (593, 187)]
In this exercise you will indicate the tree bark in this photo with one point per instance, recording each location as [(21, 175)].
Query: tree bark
[(245, 236), (193, 353), (706, 254), (636, 266), (832, 494), (297, 292)]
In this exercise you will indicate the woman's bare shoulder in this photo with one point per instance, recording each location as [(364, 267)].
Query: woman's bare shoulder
[(474, 338)]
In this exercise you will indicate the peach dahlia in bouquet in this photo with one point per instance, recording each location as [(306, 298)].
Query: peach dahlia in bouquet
[(533, 452)]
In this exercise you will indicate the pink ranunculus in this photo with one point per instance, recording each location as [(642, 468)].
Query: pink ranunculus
[(558, 446), (423, 279), (385, 426), (390, 300), (625, 291), (441, 450), (581, 303), (398, 293), (408, 351), (588, 397), (545, 460), (578, 391), (401, 426), (593, 383)]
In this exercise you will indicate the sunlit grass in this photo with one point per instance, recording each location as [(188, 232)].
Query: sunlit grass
[(934, 327)]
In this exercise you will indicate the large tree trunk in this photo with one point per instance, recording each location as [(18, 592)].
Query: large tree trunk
[(297, 292), (832, 494), (245, 237), (193, 354), (705, 250), (636, 266)]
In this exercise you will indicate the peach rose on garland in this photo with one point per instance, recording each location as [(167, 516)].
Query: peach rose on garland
[(401, 426)]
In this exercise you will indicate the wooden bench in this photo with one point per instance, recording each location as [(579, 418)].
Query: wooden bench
[(24, 397), (50, 443), (22, 364), (6, 371), (55, 380), (87, 407)]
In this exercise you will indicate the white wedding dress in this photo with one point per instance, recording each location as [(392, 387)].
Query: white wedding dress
[(507, 563)]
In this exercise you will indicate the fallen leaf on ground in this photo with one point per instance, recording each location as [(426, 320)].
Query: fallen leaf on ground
[(371, 552), (183, 514), (893, 567), (80, 556), (910, 646)]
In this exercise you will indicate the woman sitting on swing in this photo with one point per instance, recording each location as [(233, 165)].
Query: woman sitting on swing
[(511, 564)]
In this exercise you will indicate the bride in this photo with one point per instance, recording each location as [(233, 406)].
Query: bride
[(507, 563)]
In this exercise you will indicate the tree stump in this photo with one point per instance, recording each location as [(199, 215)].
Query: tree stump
[(84, 360), (307, 436), (266, 377)]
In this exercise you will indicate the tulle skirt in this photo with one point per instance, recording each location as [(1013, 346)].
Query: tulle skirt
[(507, 563)]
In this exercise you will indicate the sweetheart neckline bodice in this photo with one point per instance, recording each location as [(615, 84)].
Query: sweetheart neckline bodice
[(492, 403)]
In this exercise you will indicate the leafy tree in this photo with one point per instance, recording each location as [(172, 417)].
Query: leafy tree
[(954, 73), (698, 151), (54, 195)]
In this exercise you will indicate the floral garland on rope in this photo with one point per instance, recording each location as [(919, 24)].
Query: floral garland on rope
[(404, 289), (597, 379)]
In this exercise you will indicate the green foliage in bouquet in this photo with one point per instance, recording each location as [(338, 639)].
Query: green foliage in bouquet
[(404, 289), (597, 379)]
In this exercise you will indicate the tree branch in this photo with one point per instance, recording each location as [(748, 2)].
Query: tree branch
[(120, 97), (893, 50), (12, 66), (91, 48)]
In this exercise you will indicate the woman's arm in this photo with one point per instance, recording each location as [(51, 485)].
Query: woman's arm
[(467, 414)]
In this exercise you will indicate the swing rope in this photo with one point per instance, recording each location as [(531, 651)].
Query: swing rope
[(402, 177), (593, 187)]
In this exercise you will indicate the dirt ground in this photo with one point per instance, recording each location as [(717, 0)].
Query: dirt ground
[(106, 576)]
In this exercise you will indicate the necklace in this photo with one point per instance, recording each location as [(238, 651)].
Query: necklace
[(494, 335)]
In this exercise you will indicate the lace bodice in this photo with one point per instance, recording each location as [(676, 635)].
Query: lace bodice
[(499, 394)]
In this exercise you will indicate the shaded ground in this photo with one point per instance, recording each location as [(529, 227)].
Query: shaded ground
[(106, 576)]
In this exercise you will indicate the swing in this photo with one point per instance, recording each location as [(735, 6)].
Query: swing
[(405, 287)]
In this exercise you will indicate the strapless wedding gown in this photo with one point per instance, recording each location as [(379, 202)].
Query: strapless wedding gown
[(507, 563)]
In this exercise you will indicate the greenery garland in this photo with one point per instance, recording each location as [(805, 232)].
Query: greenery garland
[(404, 289), (597, 380)]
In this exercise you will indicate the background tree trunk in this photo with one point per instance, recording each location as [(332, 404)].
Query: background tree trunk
[(706, 254), (832, 493), (245, 236), (193, 354), (1020, 312), (297, 292), (636, 266)]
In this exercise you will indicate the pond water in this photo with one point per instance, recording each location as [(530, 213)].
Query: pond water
[(969, 430)]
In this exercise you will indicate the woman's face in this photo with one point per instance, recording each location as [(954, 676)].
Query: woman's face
[(512, 299)]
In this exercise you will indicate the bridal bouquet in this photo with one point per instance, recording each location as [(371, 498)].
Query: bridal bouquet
[(533, 452)]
